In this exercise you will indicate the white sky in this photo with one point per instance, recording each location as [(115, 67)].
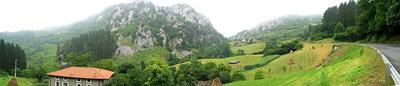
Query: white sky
[(227, 16)]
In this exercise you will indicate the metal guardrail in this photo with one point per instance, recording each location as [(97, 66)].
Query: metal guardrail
[(392, 71)]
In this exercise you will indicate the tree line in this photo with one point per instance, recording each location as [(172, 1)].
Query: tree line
[(10, 52), (365, 20), (157, 73)]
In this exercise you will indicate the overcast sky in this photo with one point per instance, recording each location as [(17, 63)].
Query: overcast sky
[(227, 16)]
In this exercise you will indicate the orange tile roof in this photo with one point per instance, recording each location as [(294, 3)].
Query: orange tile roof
[(83, 72)]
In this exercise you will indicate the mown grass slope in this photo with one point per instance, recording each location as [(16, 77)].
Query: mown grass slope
[(347, 66), (304, 59)]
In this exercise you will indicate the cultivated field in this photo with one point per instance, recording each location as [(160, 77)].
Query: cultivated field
[(347, 65)]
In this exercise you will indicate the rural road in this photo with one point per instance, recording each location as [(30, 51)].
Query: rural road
[(392, 52)]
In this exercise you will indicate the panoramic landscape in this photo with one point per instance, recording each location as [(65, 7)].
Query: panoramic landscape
[(200, 43)]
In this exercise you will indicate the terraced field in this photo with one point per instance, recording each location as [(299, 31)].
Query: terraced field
[(304, 59)]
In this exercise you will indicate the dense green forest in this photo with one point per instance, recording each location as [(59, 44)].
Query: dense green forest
[(88, 47), (9, 53), (366, 20)]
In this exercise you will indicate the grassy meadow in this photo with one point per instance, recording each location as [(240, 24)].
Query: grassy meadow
[(304, 59), (247, 48), (347, 66), (21, 81), (244, 60)]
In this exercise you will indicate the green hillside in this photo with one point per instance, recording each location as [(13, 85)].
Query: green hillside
[(247, 48), (348, 65), (304, 59), (151, 54)]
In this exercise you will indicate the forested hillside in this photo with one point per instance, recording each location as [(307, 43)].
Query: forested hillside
[(121, 32), (365, 20), (96, 45)]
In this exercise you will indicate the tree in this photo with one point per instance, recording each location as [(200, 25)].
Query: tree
[(82, 60), (393, 17), (9, 53), (136, 76), (119, 80), (158, 74), (339, 28), (123, 68), (105, 64), (37, 72), (211, 70)]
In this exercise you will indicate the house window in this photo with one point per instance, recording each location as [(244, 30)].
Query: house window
[(65, 83), (78, 80), (57, 78), (88, 84), (57, 83), (89, 81), (65, 79), (78, 84)]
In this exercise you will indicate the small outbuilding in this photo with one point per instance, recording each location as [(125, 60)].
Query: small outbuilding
[(233, 62)]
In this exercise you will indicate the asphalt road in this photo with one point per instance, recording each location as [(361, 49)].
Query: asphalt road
[(392, 52)]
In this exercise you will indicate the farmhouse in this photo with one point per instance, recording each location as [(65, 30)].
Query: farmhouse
[(79, 76)]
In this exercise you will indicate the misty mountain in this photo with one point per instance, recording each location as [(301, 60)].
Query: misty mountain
[(282, 27), (136, 26)]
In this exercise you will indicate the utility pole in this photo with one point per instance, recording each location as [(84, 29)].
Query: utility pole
[(15, 69)]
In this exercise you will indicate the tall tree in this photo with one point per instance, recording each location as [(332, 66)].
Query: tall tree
[(9, 53)]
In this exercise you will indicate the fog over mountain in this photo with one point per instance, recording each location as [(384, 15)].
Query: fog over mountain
[(33, 15)]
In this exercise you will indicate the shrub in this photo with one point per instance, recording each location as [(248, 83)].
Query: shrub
[(240, 52), (283, 49), (259, 74), (225, 76), (340, 36), (3, 73), (237, 75)]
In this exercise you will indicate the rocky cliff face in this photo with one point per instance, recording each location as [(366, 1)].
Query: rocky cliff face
[(179, 28)]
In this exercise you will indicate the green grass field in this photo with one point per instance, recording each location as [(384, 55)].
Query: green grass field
[(347, 66), (304, 59), (21, 81), (248, 48), (244, 60)]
